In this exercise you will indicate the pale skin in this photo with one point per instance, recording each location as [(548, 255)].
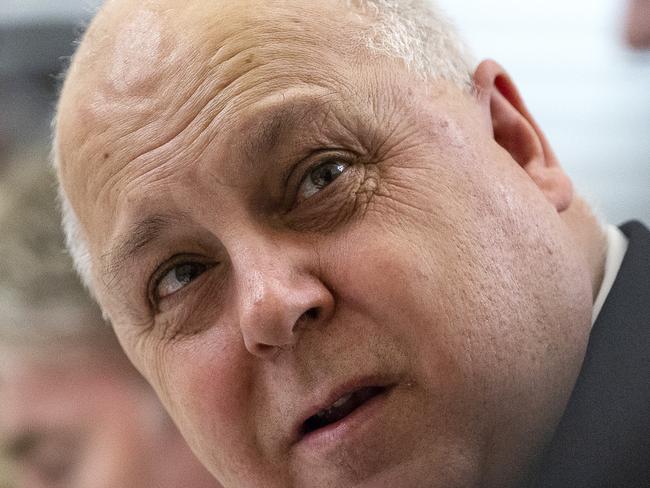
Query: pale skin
[(308, 219)]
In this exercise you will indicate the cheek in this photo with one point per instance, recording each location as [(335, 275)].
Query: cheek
[(463, 276), (206, 385), (397, 285)]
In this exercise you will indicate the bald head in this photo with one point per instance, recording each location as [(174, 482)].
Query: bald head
[(160, 57), (154, 57)]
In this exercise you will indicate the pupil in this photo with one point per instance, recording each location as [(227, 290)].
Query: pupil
[(186, 272), (325, 174)]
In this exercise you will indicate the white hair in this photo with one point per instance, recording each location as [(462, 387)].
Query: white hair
[(414, 31), (420, 34), (75, 240)]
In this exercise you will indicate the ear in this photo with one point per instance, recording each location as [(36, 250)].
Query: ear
[(517, 132)]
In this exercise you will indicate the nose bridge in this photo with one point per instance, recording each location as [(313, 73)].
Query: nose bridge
[(264, 282), (262, 265), (277, 294)]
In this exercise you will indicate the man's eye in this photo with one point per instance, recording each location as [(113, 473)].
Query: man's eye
[(319, 177), (178, 277)]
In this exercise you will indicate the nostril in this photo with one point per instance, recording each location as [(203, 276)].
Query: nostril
[(266, 349), (312, 314)]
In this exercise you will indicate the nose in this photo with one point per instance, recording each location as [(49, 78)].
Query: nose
[(278, 300)]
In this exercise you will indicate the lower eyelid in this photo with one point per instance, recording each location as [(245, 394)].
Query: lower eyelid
[(189, 312), (331, 206), (166, 303)]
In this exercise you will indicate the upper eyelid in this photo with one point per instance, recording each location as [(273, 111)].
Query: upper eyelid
[(313, 155)]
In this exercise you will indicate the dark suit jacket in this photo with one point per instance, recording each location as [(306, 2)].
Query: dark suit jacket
[(603, 439)]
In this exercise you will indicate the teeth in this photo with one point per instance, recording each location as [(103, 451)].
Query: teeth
[(341, 401), (332, 408), (340, 409)]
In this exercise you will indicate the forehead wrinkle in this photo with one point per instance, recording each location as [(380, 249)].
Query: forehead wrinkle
[(264, 137), (203, 110), (188, 93)]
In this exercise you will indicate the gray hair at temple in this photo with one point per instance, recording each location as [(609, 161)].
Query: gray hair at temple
[(414, 31)]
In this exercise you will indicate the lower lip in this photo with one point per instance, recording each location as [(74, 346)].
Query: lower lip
[(346, 430)]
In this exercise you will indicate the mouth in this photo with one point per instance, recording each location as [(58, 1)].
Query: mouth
[(340, 409)]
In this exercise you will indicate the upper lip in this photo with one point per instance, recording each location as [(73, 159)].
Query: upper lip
[(328, 397)]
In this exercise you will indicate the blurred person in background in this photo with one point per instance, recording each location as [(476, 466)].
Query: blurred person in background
[(73, 412), (637, 26)]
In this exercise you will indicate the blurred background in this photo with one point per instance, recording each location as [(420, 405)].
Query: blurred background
[(582, 68)]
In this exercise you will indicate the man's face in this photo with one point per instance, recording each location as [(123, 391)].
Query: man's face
[(320, 263), (86, 424)]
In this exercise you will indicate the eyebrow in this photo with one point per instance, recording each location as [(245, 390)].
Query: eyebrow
[(265, 137), (274, 125), (131, 242)]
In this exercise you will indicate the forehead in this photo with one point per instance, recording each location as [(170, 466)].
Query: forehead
[(157, 70), (152, 78)]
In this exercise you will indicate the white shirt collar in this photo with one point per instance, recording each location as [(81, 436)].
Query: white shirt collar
[(616, 248)]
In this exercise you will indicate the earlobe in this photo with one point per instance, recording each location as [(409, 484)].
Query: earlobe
[(515, 130)]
